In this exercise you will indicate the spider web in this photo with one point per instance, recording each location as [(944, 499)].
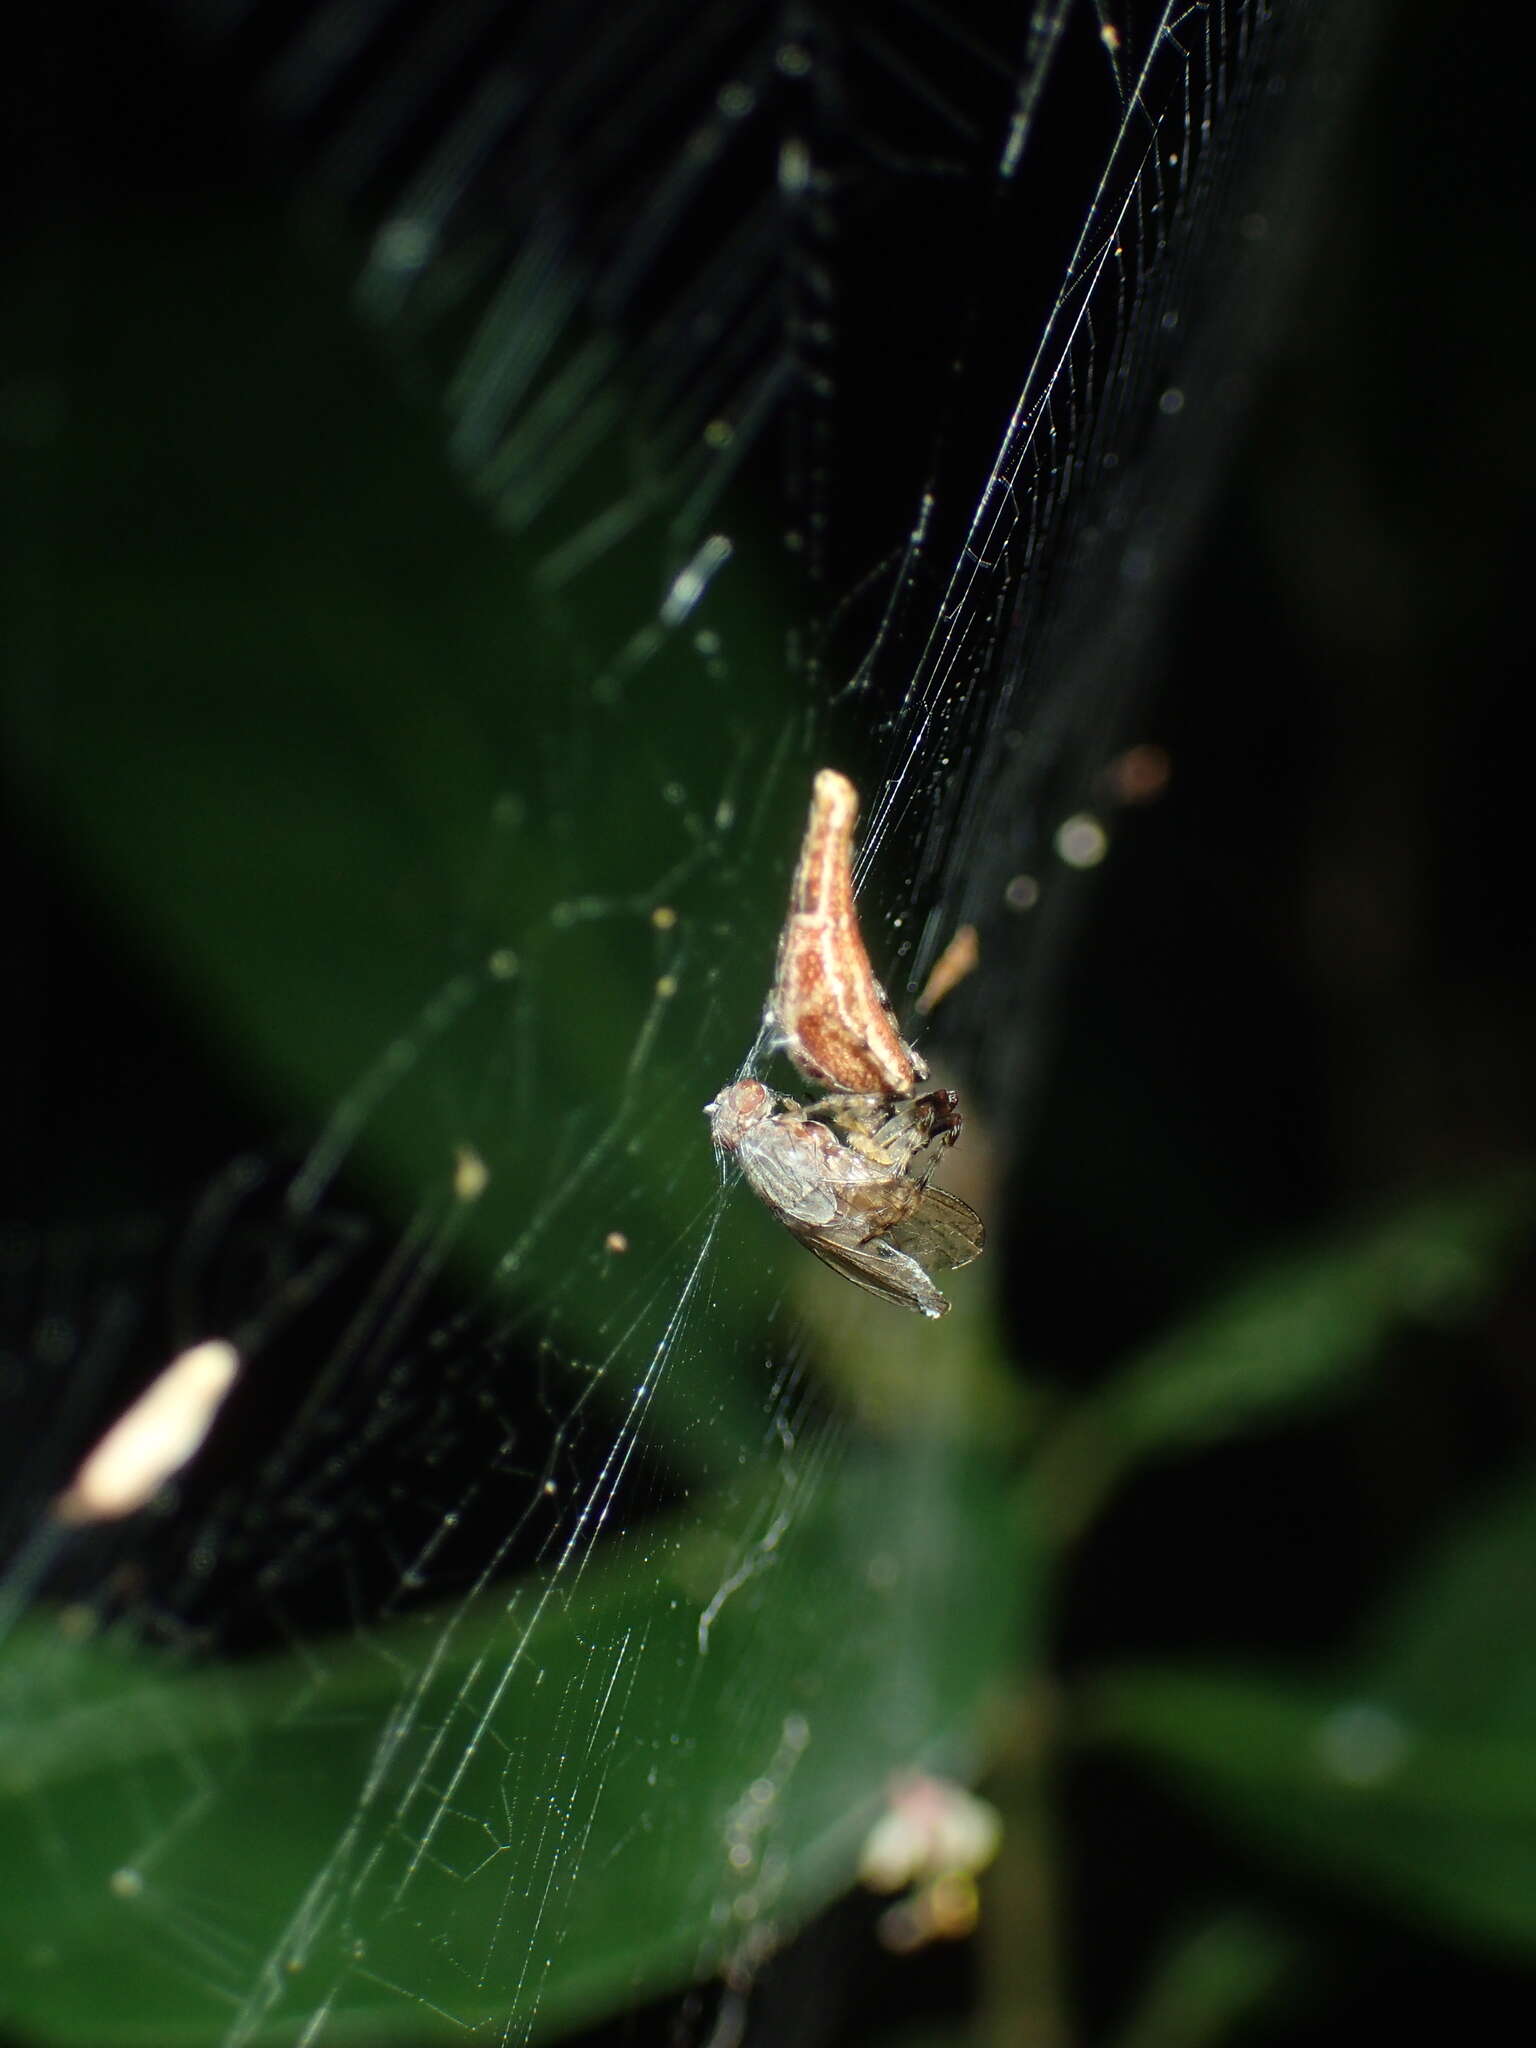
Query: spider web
[(575, 1562)]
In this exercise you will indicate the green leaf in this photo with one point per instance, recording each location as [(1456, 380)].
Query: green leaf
[(397, 828), (432, 868), (1411, 1776), (1454, 1642), (513, 1814), (1210, 1977), (1299, 1335)]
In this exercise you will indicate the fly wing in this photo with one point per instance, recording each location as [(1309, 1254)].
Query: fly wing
[(941, 1232), (785, 1166), (879, 1268)]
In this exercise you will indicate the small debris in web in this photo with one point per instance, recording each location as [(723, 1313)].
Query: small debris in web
[(959, 958), (152, 1440), (1081, 840), (932, 1842), (1138, 775)]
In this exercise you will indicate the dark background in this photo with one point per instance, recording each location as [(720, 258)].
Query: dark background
[(1306, 986)]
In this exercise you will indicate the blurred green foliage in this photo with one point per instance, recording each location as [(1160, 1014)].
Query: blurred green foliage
[(304, 738)]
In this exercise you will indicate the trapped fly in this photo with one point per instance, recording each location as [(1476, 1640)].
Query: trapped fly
[(880, 1227), (848, 1173)]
